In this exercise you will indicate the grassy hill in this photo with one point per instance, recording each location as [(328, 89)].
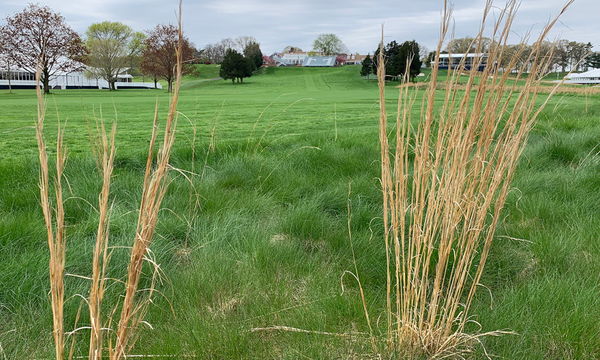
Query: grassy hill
[(256, 233)]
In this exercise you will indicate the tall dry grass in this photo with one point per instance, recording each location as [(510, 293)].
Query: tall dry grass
[(54, 219), (445, 181), (100, 260), (134, 306), (154, 188)]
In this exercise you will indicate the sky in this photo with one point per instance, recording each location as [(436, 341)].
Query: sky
[(278, 23)]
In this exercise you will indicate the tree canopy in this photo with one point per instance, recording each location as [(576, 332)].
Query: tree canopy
[(252, 52), (235, 67), (159, 55), (39, 36), (109, 46), (468, 45), (291, 49), (399, 58), (367, 67), (593, 60), (329, 44)]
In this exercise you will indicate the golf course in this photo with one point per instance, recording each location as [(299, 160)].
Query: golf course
[(273, 210)]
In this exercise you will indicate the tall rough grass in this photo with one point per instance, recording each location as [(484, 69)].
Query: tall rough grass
[(445, 182), (134, 306), (54, 219), (154, 188), (100, 260)]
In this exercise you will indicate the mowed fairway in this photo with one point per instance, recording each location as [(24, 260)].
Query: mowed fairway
[(255, 227), (281, 102)]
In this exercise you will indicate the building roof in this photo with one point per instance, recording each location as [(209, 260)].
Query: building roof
[(469, 55), (294, 54), (356, 57), (319, 61), (594, 73)]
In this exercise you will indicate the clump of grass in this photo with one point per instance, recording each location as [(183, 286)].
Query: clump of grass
[(156, 181), (154, 189), (54, 219), (441, 209), (101, 256)]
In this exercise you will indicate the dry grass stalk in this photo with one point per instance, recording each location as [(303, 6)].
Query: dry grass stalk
[(539, 89), (154, 189), (54, 220), (442, 207), (106, 149)]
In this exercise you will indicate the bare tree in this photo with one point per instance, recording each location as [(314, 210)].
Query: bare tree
[(40, 37), (577, 53), (215, 53), (561, 54), (291, 49), (468, 45), (159, 57), (242, 42)]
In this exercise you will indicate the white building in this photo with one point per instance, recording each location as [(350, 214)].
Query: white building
[(355, 59), (466, 61), (21, 79), (291, 59), (588, 77), (319, 61)]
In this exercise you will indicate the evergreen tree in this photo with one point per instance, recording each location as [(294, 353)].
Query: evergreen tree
[(367, 67), (593, 61), (235, 66), (397, 57), (252, 52), (409, 58)]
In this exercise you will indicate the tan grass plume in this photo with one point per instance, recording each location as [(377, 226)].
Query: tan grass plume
[(445, 181)]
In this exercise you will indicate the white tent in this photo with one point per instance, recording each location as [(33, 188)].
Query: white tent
[(588, 77)]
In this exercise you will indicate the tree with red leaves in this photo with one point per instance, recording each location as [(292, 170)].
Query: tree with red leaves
[(40, 37), (159, 57)]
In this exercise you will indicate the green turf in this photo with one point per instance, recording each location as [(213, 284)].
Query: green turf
[(268, 243)]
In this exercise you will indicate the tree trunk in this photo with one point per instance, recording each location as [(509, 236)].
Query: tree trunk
[(46, 81), (9, 81), (170, 81), (155, 83)]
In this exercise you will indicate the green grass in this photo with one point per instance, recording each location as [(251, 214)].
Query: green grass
[(268, 243)]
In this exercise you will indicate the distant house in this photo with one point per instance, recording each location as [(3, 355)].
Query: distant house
[(269, 61), (294, 59), (21, 79), (588, 77), (320, 61), (306, 59), (466, 61), (355, 59)]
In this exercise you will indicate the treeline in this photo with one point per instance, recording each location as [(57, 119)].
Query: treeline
[(39, 37), (400, 60), (564, 55)]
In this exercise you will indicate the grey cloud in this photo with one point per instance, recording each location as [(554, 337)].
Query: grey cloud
[(277, 23)]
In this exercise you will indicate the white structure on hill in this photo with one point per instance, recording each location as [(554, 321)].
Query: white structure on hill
[(319, 61), (466, 61), (355, 59), (588, 77), (292, 59), (21, 79), (305, 60)]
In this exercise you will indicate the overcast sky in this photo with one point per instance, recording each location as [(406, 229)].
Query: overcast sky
[(277, 23)]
